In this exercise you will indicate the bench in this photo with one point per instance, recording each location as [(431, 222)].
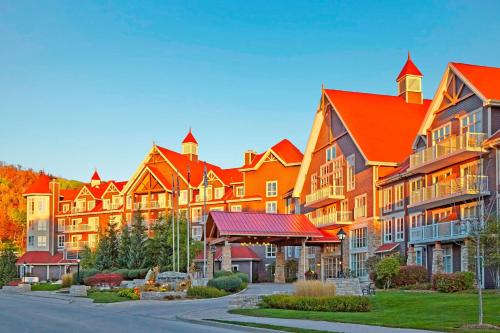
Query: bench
[(369, 290)]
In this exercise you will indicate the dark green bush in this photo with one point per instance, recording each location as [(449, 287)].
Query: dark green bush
[(449, 283), (123, 272), (227, 283), (205, 292), (243, 276), (323, 303), (133, 274), (219, 274), (143, 272)]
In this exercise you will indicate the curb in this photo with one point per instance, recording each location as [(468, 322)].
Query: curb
[(235, 327)]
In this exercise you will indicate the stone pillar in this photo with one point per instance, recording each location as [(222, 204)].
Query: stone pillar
[(464, 256), (301, 274), (279, 272), (437, 259), (210, 265), (226, 257), (411, 255)]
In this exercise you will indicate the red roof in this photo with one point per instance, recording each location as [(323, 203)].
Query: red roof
[(262, 224), (371, 119), (285, 150), (69, 194), (398, 170), (189, 138), (40, 186), (387, 247), (42, 257), (329, 236), (237, 253), (483, 78), (95, 176), (409, 69)]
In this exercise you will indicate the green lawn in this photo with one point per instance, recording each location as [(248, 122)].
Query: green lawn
[(45, 287), (271, 327), (433, 311), (106, 297)]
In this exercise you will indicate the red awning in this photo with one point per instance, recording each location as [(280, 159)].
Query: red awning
[(387, 247), (329, 236)]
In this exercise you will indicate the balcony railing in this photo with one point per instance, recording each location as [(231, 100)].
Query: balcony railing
[(150, 205), (79, 245), (80, 228), (113, 206), (440, 231), (327, 193), (472, 185), (333, 218), (452, 146), (78, 209)]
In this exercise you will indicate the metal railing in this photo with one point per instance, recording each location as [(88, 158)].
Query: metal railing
[(333, 218), (78, 209), (470, 184), (331, 191), (80, 228), (467, 141), (440, 231), (151, 205)]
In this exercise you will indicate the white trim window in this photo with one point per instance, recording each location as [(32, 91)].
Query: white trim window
[(448, 259), (441, 133), (472, 122), (360, 206), (399, 229), (420, 256), (42, 225), (359, 238), (270, 251), (399, 196), (331, 153), (387, 200), (219, 192), (271, 207), (470, 211), (42, 205), (60, 241), (93, 221), (351, 172), (271, 188), (196, 232), (183, 197), (314, 182), (387, 229), (236, 208), (65, 208), (240, 191), (416, 220), (41, 241), (31, 240), (358, 264), (129, 201), (90, 204), (106, 204), (60, 225)]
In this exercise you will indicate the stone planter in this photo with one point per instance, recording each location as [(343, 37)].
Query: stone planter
[(21, 288), (346, 286), (78, 291)]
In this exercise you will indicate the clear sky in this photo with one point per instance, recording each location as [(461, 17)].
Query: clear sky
[(93, 83)]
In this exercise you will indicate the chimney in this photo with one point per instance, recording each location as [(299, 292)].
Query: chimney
[(249, 156)]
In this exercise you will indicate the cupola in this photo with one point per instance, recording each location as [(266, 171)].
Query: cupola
[(95, 180), (410, 83), (190, 146)]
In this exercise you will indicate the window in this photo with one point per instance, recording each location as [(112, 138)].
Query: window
[(235, 268), (387, 200), (351, 171), (42, 205), (271, 207), (42, 241), (471, 211), (236, 208), (399, 196), (31, 205), (416, 220), (93, 221), (183, 197), (399, 226), (240, 191), (196, 232), (270, 251), (420, 256), (65, 208), (472, 123), (440, 134), (416, 192), (196, 215), (448, 259), (219, 192), (42, 225), (271, 188), (358, 238), (331, 153), (31, 240), (387, 231), (217, 209), (60, 225), (129, 201), (91, 205), (60, 241), (105, 204), (360, 206), (314, 182), (358, 261), (439, 215), (344, 206)]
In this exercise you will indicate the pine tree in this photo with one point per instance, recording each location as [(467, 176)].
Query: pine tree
[(107, 249), (160, 245), (138, 237), (8, 269), (124, 248)]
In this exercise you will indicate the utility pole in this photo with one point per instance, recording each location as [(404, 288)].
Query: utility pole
[(205, 184), (178, 233), (188, 219), (173, 223)]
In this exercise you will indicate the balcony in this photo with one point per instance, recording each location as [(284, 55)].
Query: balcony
[(340, 218), (453, 150), (447, 192), (325, 196), (78, 245), (78, 210), (113, 206), (150, 205), (443, 231), (80, 228)]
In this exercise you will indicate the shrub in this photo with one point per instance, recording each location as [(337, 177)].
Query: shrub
[(314, 288), (133, 274), (409, 275), (418, 286), (104, 279), (227, 283), (205, 292), (84, 273), (386, 269), (219, 274), (123, 272), (143, 272), (449, 283), (324, 303), (13, 283), (128, 292), (67, 280), (243, 276)]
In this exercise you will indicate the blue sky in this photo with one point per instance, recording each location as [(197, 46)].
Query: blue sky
[(94, 83)]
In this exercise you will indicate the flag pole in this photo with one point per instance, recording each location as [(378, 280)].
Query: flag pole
[(173, 223), (188, 219), (178, 234), (205, 184)]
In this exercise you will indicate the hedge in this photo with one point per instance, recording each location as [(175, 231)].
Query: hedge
[(219, 274), (227, 283), (205, 292), (449, 283), (104, 279), (409, 275), (323, 303), (243, 276)]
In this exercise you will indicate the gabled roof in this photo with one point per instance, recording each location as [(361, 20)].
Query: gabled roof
[(69, 194), (409, 69), (40, 186), (388, 247), (284, 150), (382, 126), (95, 176), (485, 79), (42, 257), (189, 138)]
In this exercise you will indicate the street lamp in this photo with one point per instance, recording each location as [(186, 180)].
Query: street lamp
[(341, 235), (78, 270), (213, 248)]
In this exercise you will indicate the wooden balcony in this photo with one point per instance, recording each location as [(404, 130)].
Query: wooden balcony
[(325, 196), (455, 149), (447, 192), (336, 218), (443, 231), (80, 228)]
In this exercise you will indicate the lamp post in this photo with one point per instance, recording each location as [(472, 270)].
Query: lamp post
[(24, 271), (78, 270), (341, 235), (213, 248)]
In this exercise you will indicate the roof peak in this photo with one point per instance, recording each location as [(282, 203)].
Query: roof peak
[(95, 175), (409, 68), (190, 138)]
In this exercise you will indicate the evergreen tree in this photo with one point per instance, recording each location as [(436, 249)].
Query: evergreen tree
[(124, 248), (107, 249), (160, 245), (137, 249), (88, 257), (8, 259)]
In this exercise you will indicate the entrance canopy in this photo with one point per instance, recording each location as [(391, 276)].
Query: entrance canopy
[(261, 228)]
